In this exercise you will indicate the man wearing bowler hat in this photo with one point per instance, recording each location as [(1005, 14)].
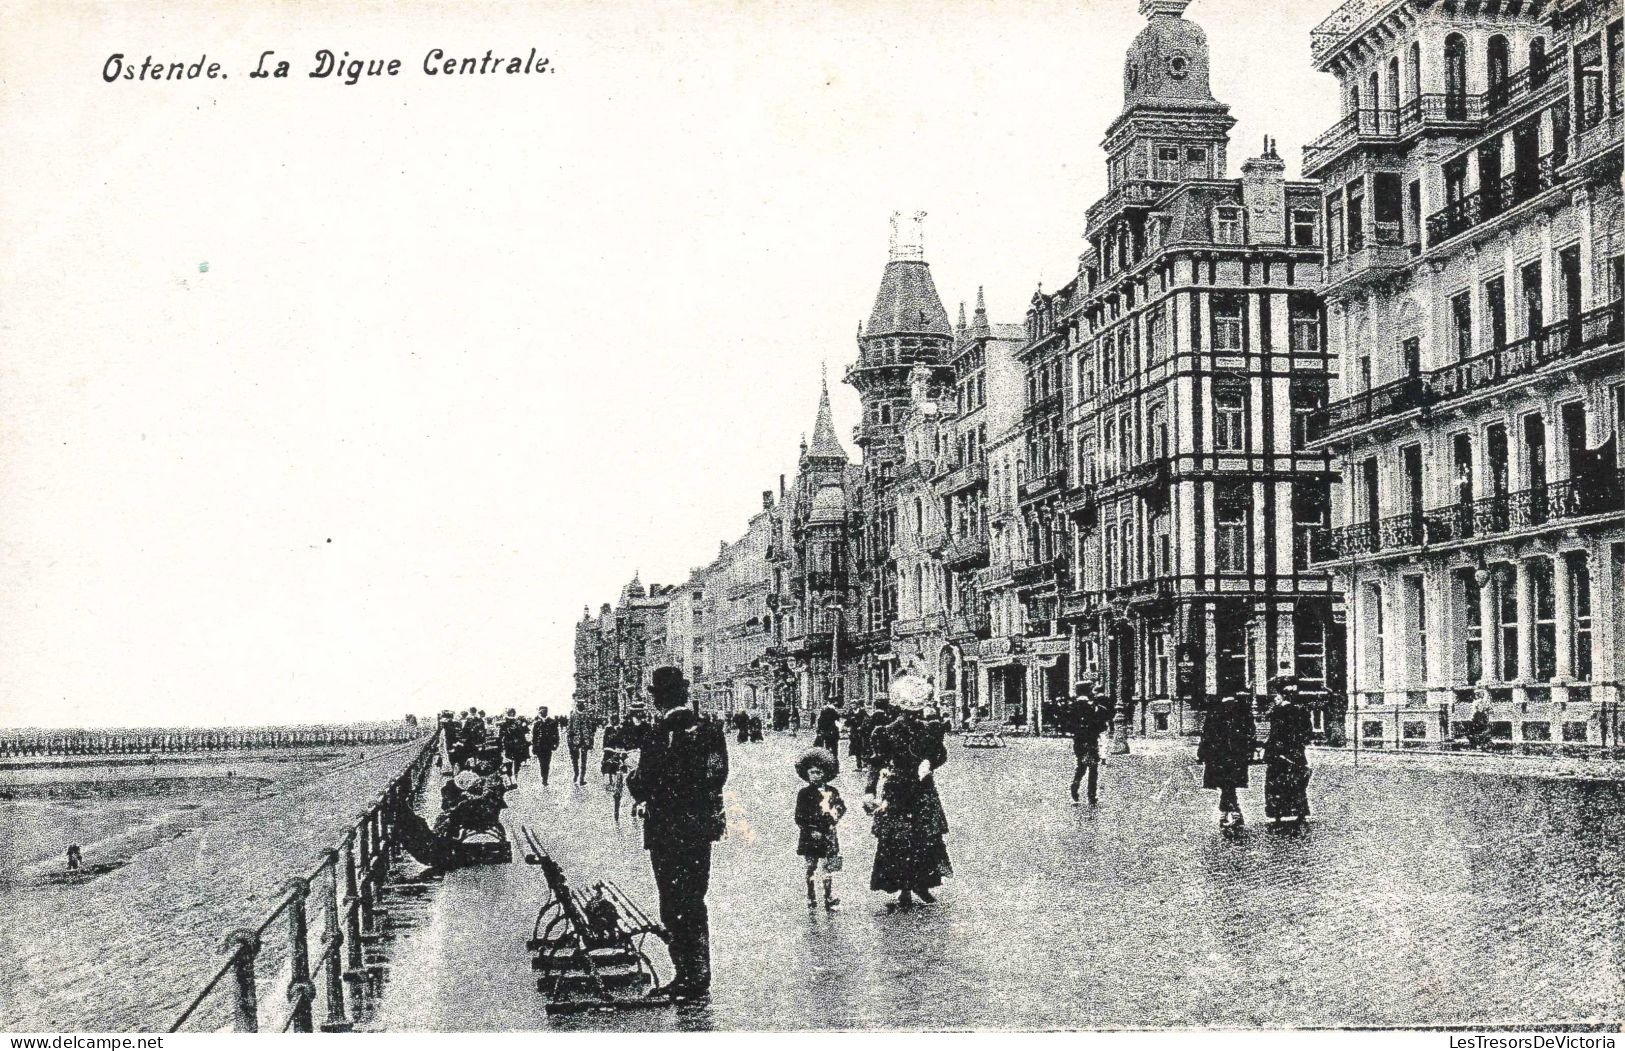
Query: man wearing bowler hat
[(679, 779)]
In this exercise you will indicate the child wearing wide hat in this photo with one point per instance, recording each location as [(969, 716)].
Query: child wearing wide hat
[(819, 809)]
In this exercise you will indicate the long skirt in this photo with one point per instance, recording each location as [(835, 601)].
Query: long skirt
[(909, 851), (1286, 787)]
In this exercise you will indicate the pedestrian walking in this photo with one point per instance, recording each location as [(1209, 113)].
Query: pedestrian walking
[(911, 859), (795, 720), (1225, 750), (741, 724), (827, 731), (1089, 718), (544, 741), (515, 743), (755, 726), (679, 781), (856, 736), (819, 808), (1286, 758), (578, 737)]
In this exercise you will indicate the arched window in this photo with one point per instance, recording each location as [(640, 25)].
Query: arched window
[(1455, 77), (1373, 91), (1538, 74), (1390, 97), (1499, 69), (1413, 85)]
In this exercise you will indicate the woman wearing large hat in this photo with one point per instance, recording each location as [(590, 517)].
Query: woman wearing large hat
[(910, 857)]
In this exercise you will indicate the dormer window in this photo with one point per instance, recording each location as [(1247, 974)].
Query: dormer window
[(1228, 226)]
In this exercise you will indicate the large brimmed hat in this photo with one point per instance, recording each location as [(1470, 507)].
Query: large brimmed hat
[(911, 692)]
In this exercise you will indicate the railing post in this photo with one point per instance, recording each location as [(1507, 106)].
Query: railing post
[(366, 847), (244, 944), (333, 942), (352, 910), (301, 993)]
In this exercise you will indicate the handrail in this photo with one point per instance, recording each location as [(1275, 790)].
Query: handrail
[(38, 741), (349, 881)]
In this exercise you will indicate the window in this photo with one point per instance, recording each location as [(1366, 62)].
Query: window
[(1417, 644), (1303, 324), (1310, 506), (1308, 398), (1227, 226), (1356, 196), (1579, 572), (1303, 228), (1374, 643), (1472, 621), (1226, 310), (1506, 593), (1589, 88), (1229, 420), (1230, 534), (1196, 163), (1334, 225), (1495, 303), (1534, 311), (1542, 598), (1167, 163), (1461, 325)]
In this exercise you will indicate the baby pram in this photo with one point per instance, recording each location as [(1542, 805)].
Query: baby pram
[(470, 815), (588, 948)]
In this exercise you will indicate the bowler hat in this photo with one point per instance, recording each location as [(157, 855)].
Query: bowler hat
[(665, 680)]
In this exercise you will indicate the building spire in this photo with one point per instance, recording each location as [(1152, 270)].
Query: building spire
[(907, 239), (979, 326), (825, 446)]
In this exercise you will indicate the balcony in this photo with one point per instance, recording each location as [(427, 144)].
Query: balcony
[(933, 542), (1043, 406), (1043, 485), (963, 625), (1601, 138), (1555, 342), (1529, 82), (966, 552), (1489, 516), (1136, 192), (1374, 404), (1038, 574), (1494, 199), (1383, 253), (1563, 339), (921, 625), (1441, 111), (962, 476), (1361, 126)]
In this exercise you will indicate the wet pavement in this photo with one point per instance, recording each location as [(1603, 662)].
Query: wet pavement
[(1414, 897)]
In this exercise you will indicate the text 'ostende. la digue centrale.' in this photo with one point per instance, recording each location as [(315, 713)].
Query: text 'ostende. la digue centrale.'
[(325, 64)]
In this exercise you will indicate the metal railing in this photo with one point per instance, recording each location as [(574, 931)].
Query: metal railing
[(44, 742), (1599, 327), (348, 883), (1530, 80), (1494, 198), (1487, 516)]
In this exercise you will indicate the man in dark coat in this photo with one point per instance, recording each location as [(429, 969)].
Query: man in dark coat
[(679, 780), (1286, 759), (1226, 749), (1088, 719), (827, 731), (544, 741)]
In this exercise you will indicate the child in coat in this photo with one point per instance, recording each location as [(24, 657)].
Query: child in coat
[(819, 809)]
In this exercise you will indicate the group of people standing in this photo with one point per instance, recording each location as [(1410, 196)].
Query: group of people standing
[(1229, 747)]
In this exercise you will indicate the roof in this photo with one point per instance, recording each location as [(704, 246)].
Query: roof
[(828, 506), (908, 302), (825, 445)]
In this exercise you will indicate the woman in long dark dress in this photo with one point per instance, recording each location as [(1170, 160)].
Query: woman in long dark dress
[(1286, 769), (1226, 748), (910, 856)]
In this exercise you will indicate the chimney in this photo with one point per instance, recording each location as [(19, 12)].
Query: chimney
[(1263, 194), (781, 487), (767, 499)]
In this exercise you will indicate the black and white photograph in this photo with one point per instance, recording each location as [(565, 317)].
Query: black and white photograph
[(833, 516)]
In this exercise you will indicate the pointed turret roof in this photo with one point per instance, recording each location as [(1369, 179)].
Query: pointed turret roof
[(908, 302), (825, 446), (979, 325)]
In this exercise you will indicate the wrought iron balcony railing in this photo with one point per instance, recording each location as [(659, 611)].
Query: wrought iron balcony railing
[(1599, 327), (1494, 198), (1489, 516), (966, 552)]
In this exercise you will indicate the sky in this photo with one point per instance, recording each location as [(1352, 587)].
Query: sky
[(324, 402)]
